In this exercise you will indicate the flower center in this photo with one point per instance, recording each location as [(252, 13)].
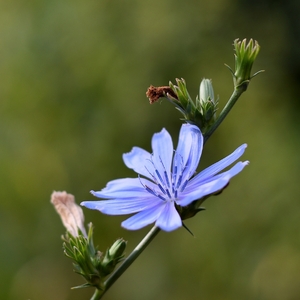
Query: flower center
[(169, 183)]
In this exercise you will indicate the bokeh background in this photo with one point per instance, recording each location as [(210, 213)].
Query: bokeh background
[(73, 77)]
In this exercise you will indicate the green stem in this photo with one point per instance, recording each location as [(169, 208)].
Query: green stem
[(127, 262), (232, 100), (97, 295)]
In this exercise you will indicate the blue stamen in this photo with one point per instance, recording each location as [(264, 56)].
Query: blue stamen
[(173, 190), (162, 189), (175, 194), (159, 177), (174, 171), (154, 193), (167, 179), (184, 185), (169, 195), (150, 190), (153, 177), (161, 197), (179, 181)]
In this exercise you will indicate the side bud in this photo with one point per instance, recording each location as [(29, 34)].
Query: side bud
[(113, 256)]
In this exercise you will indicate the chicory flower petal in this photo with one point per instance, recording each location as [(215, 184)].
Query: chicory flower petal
[(166, 181)]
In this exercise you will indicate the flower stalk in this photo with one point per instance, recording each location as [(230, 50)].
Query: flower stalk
[(229, 105)]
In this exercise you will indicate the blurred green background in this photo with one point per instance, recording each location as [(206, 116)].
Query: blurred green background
[(73, 77)]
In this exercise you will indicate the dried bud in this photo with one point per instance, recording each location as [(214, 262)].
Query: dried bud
[(71, 214), (154, 93)]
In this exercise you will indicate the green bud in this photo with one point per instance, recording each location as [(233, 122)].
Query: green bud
[(117, 249), (184, 99), (113, 256), (86, 258), (245, 55), (184, 103)]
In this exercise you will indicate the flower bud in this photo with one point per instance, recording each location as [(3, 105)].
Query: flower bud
[(113, 256), (207, 101), (117, 249), (206, 91), (245, 55), (86, 258)]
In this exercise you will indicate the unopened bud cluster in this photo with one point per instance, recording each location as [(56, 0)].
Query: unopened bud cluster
[(200, 112), (90, 263)]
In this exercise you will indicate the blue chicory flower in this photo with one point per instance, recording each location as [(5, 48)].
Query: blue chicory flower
[(168, 181)]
